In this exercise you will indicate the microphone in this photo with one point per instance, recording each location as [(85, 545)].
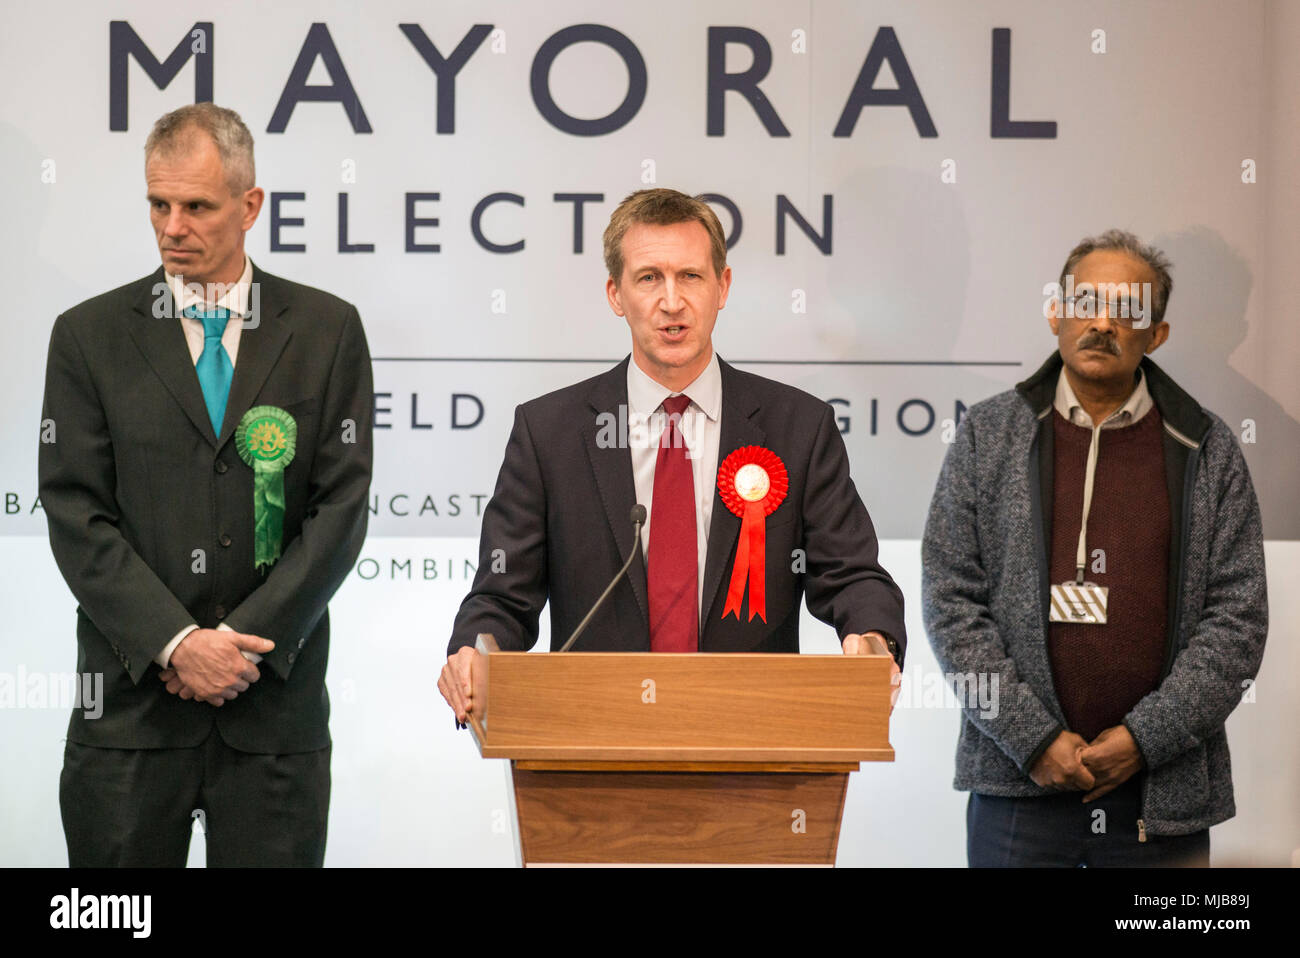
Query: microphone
[(638, 519)]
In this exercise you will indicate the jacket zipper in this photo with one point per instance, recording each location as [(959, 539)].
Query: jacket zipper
[(1189, 480)]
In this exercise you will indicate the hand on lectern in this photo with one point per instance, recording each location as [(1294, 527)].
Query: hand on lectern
[(455, 684), (863, 645)]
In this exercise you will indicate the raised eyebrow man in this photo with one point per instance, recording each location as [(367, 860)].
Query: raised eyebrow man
[(206, 495), (1094, 543), (683, 433)]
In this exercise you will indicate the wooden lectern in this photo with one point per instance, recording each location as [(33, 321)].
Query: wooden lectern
[(654, 758)]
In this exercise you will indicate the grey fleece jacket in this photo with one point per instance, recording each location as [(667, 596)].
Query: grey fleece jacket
[(984, 586)]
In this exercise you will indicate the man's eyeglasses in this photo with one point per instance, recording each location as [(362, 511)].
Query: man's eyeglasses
[(1125, 311)]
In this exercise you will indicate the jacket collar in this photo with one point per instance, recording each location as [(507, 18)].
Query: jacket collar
[(612, 467), (159, 336), (1177, 408)]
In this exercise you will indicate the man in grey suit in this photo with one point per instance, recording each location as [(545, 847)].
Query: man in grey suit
[(204, 467)]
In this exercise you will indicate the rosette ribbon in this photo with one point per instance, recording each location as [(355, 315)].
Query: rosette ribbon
[(266, 439), (752, 482)]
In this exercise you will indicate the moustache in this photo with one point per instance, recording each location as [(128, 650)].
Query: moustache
[(1095, 340)]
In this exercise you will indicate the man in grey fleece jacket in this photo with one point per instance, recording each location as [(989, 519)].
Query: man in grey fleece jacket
[(1124, 717)]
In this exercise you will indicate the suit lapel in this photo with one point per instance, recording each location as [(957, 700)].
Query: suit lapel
[(260, 345), (162, 341), (612, 467), (738, 429)]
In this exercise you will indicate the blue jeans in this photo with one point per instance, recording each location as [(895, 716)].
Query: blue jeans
[(1060, 831)]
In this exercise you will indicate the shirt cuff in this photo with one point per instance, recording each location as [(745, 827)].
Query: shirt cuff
[(165, 656), (253, 657)]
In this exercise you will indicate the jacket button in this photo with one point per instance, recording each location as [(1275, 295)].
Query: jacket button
[(301, 643), (291, 657), (225, 540), (221, 466), (220, 611)]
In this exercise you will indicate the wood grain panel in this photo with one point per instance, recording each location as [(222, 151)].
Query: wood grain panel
[(835, 705), (678, 817)]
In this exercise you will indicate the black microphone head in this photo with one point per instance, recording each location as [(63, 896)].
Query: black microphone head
[(638, 514)]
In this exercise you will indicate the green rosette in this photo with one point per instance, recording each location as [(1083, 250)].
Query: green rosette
[(266, 439)]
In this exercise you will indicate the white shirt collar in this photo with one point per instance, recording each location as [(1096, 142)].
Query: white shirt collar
[(234, 298), (1138, 404), (644, 395)]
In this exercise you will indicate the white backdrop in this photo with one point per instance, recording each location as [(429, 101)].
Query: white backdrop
[(926, 292)]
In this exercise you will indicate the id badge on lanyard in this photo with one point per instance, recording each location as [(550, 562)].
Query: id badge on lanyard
[(1083, 603), (1079, 602)]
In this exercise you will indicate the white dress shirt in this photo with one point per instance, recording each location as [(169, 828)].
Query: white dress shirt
[(235, 300), (1138, 404), (701, 427)]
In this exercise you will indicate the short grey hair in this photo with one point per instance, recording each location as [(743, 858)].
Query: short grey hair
[(173, 131), (1125, 242)]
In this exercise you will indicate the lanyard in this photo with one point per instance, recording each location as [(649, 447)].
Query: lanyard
[(1081, 556)]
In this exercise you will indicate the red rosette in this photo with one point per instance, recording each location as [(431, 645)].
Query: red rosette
[(752, 482)]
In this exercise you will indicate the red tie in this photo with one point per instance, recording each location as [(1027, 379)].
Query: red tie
[(672, 567)]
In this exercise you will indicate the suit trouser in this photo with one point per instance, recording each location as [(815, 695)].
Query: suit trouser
[(134, 807), (1061, 831)]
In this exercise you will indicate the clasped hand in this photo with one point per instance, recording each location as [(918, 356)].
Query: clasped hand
[(208, 665), (1096, 767)]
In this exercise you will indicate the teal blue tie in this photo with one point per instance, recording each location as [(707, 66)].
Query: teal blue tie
[(214, 366)]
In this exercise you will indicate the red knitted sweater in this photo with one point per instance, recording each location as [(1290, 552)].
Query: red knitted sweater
[(1101, 671)]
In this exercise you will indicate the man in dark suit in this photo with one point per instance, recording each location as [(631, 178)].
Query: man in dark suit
[(204, 467), (708, 450)]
